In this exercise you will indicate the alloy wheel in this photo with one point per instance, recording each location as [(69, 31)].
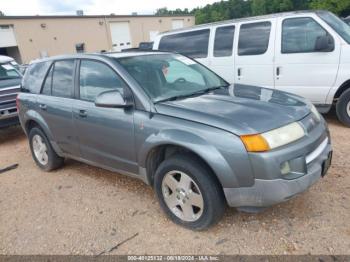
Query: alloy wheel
[(40, 150), (182, 196)]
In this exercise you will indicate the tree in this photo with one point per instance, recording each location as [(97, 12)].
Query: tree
[(231, 9), (2, 13), (340, 7), (259, 7)]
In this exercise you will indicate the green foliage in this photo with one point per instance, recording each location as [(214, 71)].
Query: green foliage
[(2, 13), (231, 9), (340, 7)]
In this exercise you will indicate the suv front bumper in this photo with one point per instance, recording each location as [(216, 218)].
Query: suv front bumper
[(313, 155)]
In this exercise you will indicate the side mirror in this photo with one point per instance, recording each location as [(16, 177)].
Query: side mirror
[(324, 44), (112, 99)]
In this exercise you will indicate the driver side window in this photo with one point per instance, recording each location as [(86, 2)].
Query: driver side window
[(95, 78), (177, 71)]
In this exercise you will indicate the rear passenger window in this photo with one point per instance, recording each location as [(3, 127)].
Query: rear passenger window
[(62, 84), (299, 35), (193, 44), (223, 42), (254, 38), (34, 76), (95, 78)]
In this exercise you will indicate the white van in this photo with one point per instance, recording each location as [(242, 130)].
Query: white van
[(306, 52)]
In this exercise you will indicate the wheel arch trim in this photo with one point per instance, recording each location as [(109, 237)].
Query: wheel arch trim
[(192, 143)]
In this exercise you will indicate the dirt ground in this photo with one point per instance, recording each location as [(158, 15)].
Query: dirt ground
[(81, 209)]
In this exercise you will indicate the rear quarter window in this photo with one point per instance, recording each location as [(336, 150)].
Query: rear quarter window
[(193, 44), (34, 77)]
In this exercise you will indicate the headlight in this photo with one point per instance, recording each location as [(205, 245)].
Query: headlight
[(274, 138), (315, 112)]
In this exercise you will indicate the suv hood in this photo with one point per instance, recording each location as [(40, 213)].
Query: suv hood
[(240, 109)]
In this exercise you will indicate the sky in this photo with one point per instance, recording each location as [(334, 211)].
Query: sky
[(91, 7)]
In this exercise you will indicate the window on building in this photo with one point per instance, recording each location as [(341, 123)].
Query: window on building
[(193, 44), (254, 38), (223, 42), (299, 35), (95, 78), (63, 78)]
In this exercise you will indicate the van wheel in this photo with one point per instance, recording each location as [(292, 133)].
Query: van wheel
[(188, 192), (343, 108), (42, 151)]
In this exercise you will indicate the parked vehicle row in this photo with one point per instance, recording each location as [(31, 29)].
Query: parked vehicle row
[(10, 80), (200, 142), (306, 53)]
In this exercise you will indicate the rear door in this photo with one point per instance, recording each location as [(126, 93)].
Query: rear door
[(55, 105), (106, 135), (222, 55), (255, 53), (299, 67)]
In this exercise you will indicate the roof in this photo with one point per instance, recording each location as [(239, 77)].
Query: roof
[(85, 16), (246, 19), (91, 55)]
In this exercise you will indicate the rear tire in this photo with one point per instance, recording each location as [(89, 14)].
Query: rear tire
[(43, 154), (343, 108), (188, 192)]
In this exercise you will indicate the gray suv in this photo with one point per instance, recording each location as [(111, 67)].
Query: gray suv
[(176, 125)]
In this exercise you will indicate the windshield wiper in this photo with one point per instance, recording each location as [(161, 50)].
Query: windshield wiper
[(197, 93)]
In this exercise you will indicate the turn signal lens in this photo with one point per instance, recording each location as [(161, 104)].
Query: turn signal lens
[(255, 143)]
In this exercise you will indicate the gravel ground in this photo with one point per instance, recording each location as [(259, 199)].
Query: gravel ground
[(81, 209)]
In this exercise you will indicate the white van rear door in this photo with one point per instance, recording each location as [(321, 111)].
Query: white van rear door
[(254, 53), (299, 67)]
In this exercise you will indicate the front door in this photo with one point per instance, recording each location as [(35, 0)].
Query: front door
[(254, 53), (299, 67), (106, 135), (121, 38)]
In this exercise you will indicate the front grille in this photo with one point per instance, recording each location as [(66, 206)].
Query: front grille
[(8, 101)]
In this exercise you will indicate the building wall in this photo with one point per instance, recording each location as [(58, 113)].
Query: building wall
[(54, 36)]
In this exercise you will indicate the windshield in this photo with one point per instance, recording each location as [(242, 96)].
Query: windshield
[(170, 76), (7, 71), (337, 24)]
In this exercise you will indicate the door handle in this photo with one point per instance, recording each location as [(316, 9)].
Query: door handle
[(239, 72), (278, 71), (43, 106), (82, 113)]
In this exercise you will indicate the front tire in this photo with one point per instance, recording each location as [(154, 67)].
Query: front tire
[(343, 108), (188, 192), (43, 154)]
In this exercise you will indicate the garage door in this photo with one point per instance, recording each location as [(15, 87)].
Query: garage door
[(120, 33), (7, 36), (177, 23)]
